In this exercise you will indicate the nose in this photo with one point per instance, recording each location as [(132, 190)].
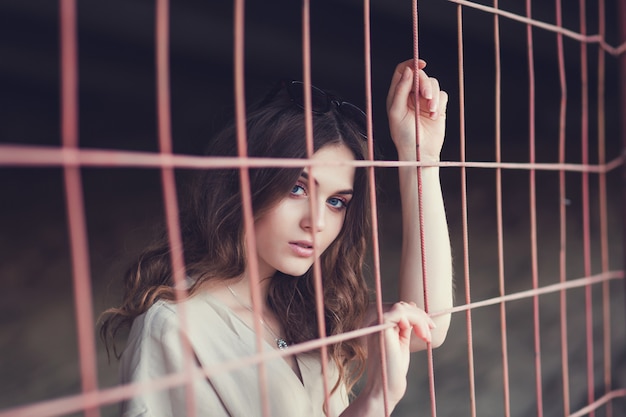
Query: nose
[(309, 223)]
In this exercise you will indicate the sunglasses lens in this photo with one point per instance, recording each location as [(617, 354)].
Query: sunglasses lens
[(320, 102)]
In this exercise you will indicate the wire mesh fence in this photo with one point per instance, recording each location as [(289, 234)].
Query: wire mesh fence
[(532, 174)]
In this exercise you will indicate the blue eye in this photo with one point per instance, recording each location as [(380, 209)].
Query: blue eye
[(337, 203), (298, 189)]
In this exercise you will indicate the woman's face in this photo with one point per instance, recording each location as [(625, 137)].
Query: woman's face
[(285, 234)]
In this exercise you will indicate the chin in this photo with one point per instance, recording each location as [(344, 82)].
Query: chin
[(295, 271)]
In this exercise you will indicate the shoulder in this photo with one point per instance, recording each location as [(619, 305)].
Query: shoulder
[(165, 317), (150, 338), (159, 319), (155, 342)]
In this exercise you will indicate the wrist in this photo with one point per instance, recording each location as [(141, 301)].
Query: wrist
[(407, 153), (431, 159), (411, 154)]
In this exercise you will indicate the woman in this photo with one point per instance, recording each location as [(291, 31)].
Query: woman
[(218, 313)]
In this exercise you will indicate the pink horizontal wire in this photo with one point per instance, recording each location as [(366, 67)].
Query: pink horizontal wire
[(70, 404), (74, 403), (77, 402), (576, 283), (605, 399), (615, 51), (204, 162), (46, 156), (59, 156)]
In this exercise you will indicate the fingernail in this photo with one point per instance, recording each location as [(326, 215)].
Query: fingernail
[(406, 74)]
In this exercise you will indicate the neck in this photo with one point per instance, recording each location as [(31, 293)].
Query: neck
[(281, 343), (244, 289)]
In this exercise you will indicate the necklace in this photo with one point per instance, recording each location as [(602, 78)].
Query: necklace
[(280, 342)]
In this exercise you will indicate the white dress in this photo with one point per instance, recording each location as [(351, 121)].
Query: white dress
[(217, 335)]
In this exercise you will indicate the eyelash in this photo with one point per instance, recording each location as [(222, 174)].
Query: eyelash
[(298, 185), (344, 203)]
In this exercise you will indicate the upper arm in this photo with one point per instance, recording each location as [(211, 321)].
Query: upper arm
[(154, 350)]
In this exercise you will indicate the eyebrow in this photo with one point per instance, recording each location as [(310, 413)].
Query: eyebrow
[(305, 175)]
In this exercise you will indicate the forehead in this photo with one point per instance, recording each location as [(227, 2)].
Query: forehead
[(332, 175)]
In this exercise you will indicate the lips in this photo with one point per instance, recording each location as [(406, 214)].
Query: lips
[(302, 248)]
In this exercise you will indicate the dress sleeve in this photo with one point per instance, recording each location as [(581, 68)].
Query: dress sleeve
[(154, 349)]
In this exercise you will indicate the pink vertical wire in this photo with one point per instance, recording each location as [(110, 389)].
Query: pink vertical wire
[(372, 186), (621, 11), (420, 202), (584, 125), (74, 201), (500, 225), (244, 176), (563, 215), (308, 118), (533, 211), (604, 234), (468, 300), (169, 183)]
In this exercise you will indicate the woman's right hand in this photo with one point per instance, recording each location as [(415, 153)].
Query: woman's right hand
[(401, 112)]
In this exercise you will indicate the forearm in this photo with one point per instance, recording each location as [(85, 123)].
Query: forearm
[(367, 404), (437, 257), (421, 113)]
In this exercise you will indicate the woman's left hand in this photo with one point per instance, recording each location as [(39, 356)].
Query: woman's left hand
[(401, 112), (407, 318)]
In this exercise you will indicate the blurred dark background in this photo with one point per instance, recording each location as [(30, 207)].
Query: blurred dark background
[(124, 206)]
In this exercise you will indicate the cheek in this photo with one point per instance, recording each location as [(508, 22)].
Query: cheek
[(264, 225), (275, 220), (335, 226)]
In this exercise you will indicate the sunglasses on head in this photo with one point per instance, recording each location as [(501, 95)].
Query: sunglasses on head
[(322, 102)]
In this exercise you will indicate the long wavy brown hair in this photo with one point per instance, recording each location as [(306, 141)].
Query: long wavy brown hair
[(213, 235)]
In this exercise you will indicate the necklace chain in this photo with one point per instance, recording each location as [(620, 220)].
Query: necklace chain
[(280, 342)]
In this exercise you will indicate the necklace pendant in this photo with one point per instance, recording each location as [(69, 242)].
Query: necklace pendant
[(281, 344)]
